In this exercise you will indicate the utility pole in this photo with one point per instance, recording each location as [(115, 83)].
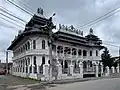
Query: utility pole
[(6, 62), (49, 27), (119, 59)]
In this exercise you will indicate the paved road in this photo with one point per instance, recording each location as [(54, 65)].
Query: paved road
[(103, 84)]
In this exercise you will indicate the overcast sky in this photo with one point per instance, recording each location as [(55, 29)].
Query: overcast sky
[(68, 12)]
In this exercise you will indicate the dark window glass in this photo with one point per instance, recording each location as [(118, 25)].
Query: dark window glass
[(28, 44), (90, 53), (84, 64), (79, 52), (96, 53), (25, 46), (43, 44), (34, 44), (34, 60), (43, 60), (84, 53), (66, 64)]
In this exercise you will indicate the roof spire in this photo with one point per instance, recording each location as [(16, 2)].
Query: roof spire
[(91, 31), (40, 11)]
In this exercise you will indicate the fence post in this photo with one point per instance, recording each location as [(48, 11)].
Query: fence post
[(108, 71), (71, 69), (81, 69), (101, 69), (96, 67), (113, 69)]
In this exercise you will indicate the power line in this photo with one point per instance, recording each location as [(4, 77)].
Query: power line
[(11, 22), (29, 8), (101, 20), (100, 17), (25, 6), (20, 7), (7, 26), (12, 15), (10, 18)]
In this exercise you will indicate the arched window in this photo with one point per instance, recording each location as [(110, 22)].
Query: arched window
[(84, 53), (96, 53), (66, 64), (43, 44), (84, 64), (48, 61), (34, 44), (90, 53), (43, 60), (34, 60), (28, 44), (79, 52), (28, 61), (75, 65), (62, 64), (25, 46), (73, 51)]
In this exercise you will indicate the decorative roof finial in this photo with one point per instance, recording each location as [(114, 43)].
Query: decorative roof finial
[(91, 31), (40, 11)]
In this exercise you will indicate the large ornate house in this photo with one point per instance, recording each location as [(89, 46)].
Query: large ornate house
[(73, 55)]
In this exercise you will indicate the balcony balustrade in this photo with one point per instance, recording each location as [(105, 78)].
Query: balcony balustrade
[(31, 52)]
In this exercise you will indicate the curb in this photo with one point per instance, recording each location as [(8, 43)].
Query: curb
[(76, 80)]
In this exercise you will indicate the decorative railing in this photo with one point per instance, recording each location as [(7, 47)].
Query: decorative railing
[(32, 52)]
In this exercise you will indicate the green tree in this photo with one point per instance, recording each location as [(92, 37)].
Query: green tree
[(106, 59)]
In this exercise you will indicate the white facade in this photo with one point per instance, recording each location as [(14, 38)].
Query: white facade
[(26, 54), (73, 55)]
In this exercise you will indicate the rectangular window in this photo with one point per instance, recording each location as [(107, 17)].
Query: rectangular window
[(96, 53), (34, 44), (90, 53)]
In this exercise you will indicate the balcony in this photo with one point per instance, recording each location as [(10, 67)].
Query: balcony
[(32, 52)]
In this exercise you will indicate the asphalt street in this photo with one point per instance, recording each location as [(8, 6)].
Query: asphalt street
[(103, 84)]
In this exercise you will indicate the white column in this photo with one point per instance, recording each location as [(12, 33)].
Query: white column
[(25, 69), (38, 72), (32, 65), (81, 69), (117, 69), (77, 52), (107, 71), (46, 71), (113, 69), (28, 68), (71, 69), (96, 67), (101, 69)]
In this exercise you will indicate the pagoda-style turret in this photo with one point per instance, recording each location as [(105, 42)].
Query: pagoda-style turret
[(37, 25), (37, 20), (93, 38)]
